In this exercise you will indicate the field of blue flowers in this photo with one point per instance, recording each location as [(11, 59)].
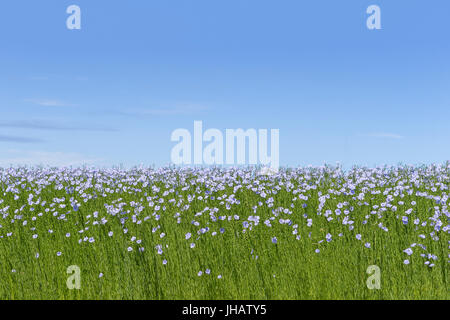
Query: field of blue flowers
[(225, 233)]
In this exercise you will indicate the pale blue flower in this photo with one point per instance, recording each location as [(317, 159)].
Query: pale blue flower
[(408, 251)]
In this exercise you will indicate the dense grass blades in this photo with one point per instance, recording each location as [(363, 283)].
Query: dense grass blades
[(224, 233)]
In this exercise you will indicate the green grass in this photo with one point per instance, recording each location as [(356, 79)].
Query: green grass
[(289, 269)]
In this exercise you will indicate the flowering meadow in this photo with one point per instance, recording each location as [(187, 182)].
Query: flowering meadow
[(225, 233)]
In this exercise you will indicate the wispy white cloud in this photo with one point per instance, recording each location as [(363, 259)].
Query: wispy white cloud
[(386, 135), (44, 158), (50, 102), (8, 138), (48, 125)]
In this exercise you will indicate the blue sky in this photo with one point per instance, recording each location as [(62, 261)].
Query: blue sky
[(112, 92)]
